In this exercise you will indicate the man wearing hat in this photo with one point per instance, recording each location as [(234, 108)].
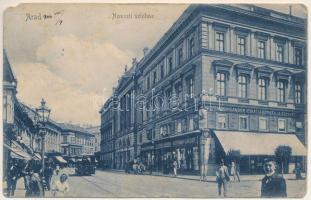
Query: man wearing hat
[(273, 184), (222, 177)]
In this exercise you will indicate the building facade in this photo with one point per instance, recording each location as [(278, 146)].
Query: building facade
[(76, 141), (222, 78)]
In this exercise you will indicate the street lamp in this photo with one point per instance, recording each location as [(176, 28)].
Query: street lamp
[(41, 118)]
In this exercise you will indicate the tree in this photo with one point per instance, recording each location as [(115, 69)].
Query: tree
[(283, 154)]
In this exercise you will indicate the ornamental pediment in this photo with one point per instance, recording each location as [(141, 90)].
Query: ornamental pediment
[(264, 72), (244, 68), (283, 74), (222, 66)]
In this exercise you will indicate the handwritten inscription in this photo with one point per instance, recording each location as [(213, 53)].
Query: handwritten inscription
[(57, 17), (132, 16)]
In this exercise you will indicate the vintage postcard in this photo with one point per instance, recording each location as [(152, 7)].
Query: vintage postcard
[(155, 100)]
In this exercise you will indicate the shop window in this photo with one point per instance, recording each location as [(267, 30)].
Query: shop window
[(243, 122), (281, 125), (263, 123), (222, 121)]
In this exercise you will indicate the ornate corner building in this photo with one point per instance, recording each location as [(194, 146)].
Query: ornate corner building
[(222, 78)]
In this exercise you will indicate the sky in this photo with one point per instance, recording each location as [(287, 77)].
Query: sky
[(75, 57)]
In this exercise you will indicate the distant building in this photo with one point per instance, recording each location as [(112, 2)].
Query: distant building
[(95, 130), (52, 137), (223, 77), (76, 141), (107, 144)]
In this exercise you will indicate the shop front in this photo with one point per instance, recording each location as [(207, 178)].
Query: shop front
[(160, 155), (255, 147)]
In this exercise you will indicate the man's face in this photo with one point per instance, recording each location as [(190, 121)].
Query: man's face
[(269, 167)]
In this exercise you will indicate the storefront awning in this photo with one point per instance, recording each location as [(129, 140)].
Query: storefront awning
[(18, 152), (37, 156), (259, 143), (60, 159)]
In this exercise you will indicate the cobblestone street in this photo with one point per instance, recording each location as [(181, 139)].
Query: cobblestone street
[(118, 184)]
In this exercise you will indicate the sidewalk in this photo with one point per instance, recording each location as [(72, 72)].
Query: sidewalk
[(208, 178)]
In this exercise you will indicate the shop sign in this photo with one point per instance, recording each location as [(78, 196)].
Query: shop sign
[(163, 145), (185, 141), (147, 148)]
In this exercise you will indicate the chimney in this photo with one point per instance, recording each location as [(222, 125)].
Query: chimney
[(146, 51)]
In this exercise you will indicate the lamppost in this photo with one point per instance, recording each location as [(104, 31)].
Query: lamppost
[(41, 118)]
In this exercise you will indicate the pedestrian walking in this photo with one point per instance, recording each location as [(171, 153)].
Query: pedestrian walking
[(234, 171), (60, 186), (175, 164), (273, 184), (35, 185), (13, 175), (48, 173), (222, 178), (27, 173), (297, 171)]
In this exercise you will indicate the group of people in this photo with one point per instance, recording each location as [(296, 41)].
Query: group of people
[(272, 185), (36, 179)]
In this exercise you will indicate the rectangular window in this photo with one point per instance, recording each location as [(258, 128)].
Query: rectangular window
[(190, 87), (154, 77), (242, 86), (261, 49), (262, 89), (178, 91), (180, 56), (241, 46), (148, 82), (220, 41), (221, 84), (5, 107), (281, 125), (298, 96), (298, 55), (279, 53), (178, 126), (222, 121), (191, 47), (243, 121), (170, 64), (162, 71), (263, 123), (281, 91), (190, 125)]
